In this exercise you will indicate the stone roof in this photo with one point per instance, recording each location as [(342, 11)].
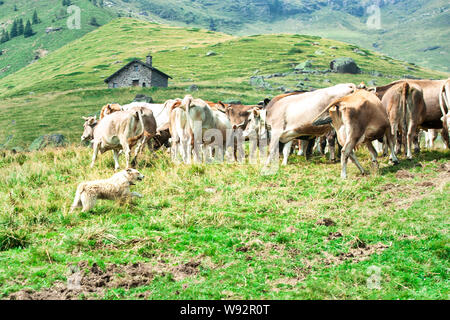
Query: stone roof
[(141, 63)]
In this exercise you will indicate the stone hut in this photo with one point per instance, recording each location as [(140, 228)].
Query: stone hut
[(138, 74)]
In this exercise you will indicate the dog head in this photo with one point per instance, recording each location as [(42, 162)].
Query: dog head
[(132, 175)]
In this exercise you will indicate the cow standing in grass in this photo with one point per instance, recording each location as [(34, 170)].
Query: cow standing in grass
[(291, 116), (359, 118), (118, 131)]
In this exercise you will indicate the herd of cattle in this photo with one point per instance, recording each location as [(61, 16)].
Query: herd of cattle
[(392, 115)]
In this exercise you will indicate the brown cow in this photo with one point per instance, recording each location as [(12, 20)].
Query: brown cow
[(121, 130), (406, 110), (431, 93), (358, 118), (291, 116)]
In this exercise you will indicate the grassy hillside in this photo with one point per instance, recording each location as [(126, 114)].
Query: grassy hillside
[(226, 231), (21, 51), (343, 20), (69, 82)]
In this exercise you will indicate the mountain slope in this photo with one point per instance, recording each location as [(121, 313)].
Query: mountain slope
[(21, 51), (52, 94), (408, 29)]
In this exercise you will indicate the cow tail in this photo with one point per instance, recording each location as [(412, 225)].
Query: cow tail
[(132, 141), (321, 119), (443, 98), (404, 108)]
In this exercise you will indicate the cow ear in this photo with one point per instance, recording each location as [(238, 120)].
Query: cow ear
[(256, 111), (85, 118)]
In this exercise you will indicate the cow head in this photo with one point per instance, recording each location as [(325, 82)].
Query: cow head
[(256, 123), (89, 125), (109, 108), (264, 103)]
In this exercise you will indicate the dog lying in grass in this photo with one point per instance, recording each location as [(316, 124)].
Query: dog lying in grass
[(116, 187)]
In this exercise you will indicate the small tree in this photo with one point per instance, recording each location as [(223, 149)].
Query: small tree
[(5, 37), (15, 8), (28, 30), (20, 27), (93, 22), (36, 19), (13, 32)]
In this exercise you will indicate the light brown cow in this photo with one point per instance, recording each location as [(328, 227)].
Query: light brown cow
[(109, 108), (431, 93), (200, 119), (118, 131), (291, 116), (358, 118), (406, 110)]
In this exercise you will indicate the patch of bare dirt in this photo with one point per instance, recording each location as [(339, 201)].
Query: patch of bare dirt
[(334, 235), (356, 254), (326, 222), (93, 281), (403, 174)]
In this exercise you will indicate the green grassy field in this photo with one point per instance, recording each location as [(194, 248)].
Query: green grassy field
[(225, 231), (217, 231)]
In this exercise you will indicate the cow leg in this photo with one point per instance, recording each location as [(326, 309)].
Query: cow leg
[(138, 150), (356, 162), (346, 150), (444, 133), (303, 145), (116, 160), (273, 147), (95, 153), (373, 154), (309, 148), (286, 152), (127, 151), (416, 141), (332, 147), (323, 144), (390, 141), (410, 139)]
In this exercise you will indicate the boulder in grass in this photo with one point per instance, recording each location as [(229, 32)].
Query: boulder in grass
[(306, 65), (345, 65), (49, 140), (192, 88), (143, 98)]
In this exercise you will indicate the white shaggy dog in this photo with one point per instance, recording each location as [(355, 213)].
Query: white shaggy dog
[(116, 187)]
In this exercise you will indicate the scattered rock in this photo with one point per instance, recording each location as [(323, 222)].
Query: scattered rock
[(192, 87), (52, 29), (304, 65), (143, 98), (211, 53), (345, 65), (334, 235), (53, 140), (372, 83), (258, 81), (326, 222), (357, 51)]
